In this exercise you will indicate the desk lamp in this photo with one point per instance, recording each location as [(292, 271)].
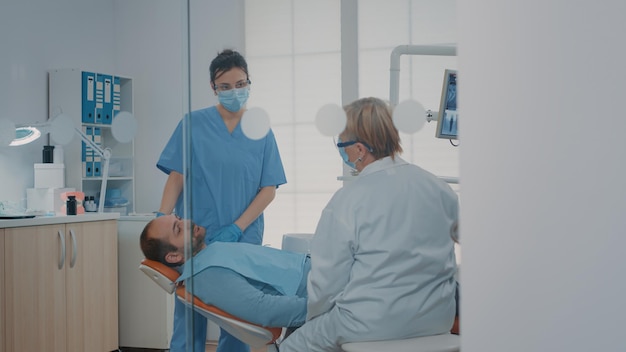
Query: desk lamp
[(62, 129)]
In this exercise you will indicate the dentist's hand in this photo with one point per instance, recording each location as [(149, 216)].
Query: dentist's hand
[(230, 233)]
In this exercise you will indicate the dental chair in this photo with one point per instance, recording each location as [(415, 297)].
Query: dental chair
[(252, 334)]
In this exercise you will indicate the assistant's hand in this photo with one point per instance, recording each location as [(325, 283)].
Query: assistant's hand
[(230, 233)]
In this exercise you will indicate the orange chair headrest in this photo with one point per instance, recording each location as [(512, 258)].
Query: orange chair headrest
[(161, 274)]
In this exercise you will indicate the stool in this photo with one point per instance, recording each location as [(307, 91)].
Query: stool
[(433, 343)]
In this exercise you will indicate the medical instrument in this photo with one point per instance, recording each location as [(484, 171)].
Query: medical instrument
[(394, 79), (447, 117), (394, 69), (449, 80)]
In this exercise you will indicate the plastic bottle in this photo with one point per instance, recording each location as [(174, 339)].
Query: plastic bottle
[(48, 154), (92, 204), (71, 205)]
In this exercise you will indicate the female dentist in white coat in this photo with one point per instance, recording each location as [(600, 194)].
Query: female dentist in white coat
[(382, 258)]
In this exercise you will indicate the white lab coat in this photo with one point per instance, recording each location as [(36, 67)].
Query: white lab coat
[(382, 260)]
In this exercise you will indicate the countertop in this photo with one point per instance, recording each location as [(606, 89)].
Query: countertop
[(62, 219), (138, 217)]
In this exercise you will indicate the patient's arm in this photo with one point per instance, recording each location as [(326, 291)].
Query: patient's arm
[(232, 293)]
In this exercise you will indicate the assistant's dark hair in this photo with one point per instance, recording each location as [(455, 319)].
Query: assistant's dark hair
[(225, 61), (155, 249)]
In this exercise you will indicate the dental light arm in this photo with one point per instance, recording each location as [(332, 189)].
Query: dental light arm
[(394, 76), (123, 129), (394, 67)]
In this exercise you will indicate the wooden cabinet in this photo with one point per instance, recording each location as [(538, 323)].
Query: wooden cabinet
[(2, 338), (60, 285)]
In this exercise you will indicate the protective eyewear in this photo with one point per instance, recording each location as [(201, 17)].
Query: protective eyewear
[(345, 144), (226, 87), (341, 144)]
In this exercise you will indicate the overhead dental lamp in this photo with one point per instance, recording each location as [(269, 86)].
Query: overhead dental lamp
[(62, 130)]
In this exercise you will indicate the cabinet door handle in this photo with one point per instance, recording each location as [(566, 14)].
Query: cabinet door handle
[(62, 258), (74, 248)]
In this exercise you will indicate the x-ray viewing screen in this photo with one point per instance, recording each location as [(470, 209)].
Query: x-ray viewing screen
[(448, 117)]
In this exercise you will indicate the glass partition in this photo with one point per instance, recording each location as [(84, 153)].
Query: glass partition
[(294, 51)]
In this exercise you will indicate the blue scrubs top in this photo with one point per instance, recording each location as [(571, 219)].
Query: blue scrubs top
[(227, 171)]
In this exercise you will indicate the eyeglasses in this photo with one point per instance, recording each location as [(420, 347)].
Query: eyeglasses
[(341, 144), (346, 144), (225, 86)]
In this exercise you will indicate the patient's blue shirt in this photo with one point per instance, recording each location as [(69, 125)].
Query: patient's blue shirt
[(263, 285)]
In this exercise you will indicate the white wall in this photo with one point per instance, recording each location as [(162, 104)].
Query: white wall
[(142, 39), (543, 170), (35, 36), (152, 46), (149, 49)]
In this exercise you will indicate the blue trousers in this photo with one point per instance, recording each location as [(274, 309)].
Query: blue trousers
[(183, 324)]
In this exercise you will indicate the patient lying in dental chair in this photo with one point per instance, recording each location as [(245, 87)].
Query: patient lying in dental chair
[(261, 285)]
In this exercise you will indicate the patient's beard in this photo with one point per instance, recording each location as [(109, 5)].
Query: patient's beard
[(197, 241)]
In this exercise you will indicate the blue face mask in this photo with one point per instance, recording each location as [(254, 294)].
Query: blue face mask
[(344, 156), (234, 99)]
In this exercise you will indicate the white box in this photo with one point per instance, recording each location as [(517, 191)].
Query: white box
[(49, 175), (46, 199), (121, 167)]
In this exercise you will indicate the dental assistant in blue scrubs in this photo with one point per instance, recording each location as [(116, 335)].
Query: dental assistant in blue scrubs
[(233, 179)]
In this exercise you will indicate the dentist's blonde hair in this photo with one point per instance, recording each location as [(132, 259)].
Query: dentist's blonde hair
[(369, 121)]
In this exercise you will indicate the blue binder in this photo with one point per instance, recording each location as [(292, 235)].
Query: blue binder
[(97, 159), (117, 96), (107, 106), (99, 98), (88, 97), (87, 153)]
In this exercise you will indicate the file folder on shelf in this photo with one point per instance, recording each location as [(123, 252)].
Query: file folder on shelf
[(99, 98), (107, 105), (88, 97), (117, 92), (97, 159), (87, 153)]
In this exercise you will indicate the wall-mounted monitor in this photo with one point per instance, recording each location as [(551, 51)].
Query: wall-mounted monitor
[(448, 116)]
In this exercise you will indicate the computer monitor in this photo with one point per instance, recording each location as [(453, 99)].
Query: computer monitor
[(448, 116)]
